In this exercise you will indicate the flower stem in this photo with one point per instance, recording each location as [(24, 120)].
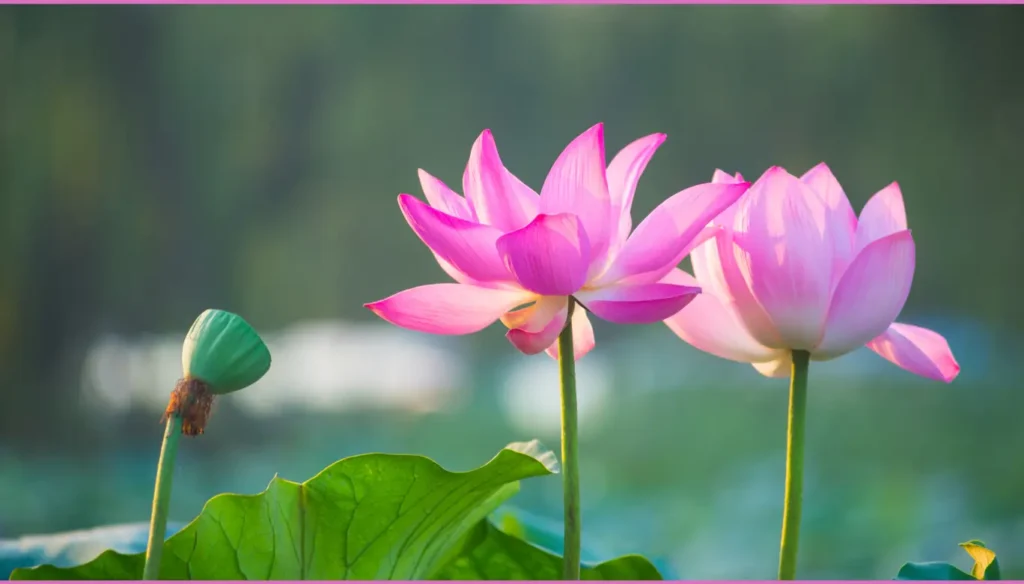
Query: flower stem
[(794, 466), (570, 450), (162, 498)]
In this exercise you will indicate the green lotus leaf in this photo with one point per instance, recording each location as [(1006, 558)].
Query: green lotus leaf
[(367, 517), (488, 553), (224, 351)]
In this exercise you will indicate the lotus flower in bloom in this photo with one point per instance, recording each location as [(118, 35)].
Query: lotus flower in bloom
[(793, 268), (518, 256)]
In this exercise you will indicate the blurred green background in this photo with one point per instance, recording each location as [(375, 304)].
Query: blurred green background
[(156, 161)]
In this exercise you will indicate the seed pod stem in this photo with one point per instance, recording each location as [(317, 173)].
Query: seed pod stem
[(162, 498)]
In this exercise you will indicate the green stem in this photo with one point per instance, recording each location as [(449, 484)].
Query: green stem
[(794, 466), (162, 498), (570, 450)]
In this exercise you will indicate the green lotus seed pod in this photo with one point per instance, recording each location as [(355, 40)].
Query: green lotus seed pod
[(224, 351)]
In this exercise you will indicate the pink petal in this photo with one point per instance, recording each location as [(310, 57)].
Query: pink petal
[(883, 215), (443, 198), (710, 325), (466, 246), (498, 198), (781, 366), (577, 184), (786, 255), (841, 220), (870, 295), (704, 253), (582, 336), (448, 309), (549, 256), (717, 266), (535, 327), (662, 240), (639, 304), (917, 350), (623, 175)]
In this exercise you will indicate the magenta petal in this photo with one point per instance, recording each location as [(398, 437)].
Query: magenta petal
[(662, 239), (535, 327), (549, 256), (577, 184), (786, 255), (448, 309), (839, 216), (869, 296), (582, 336), (883, 215), (639, 304), (918, 350), (498, 198), (443, 198), (623, 175), (467, 246), (712, 326)]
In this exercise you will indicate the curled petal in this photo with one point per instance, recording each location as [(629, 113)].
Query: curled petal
[(549, 256), (710, 325), (781, 366), (623, 175), (637, 304), (468, 247), (582, 335), (869, 296), (577, 184), (443, 198), (498, 198), (785, 255), (537, 326), (883, 215), (918, 350), (448, 309), (662, 239), (839, 216)]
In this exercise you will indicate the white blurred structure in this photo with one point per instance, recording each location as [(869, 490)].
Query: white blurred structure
[(531, 397), (326, 366)]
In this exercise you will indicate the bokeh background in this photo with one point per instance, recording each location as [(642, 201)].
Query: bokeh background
[(156, 161)]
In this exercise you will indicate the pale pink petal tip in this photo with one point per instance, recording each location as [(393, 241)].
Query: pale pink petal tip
[(918, 350), (722, 177)]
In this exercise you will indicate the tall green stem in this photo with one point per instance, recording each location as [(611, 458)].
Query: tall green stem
[(162, 498), (794, 466), (570, 450)]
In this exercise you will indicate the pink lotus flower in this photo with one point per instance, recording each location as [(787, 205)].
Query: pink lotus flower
[(518, 256), (793, 268)]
